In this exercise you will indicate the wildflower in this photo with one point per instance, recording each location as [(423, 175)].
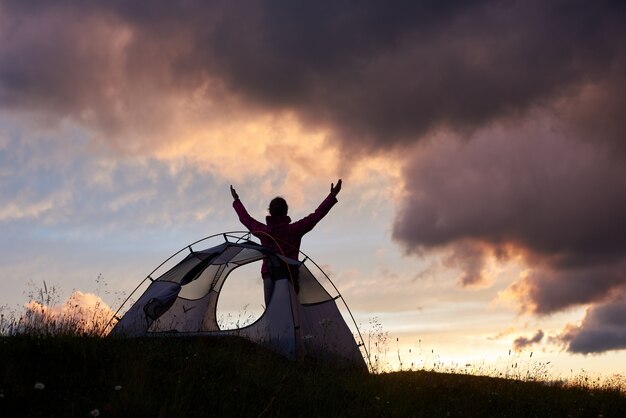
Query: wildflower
[(118, 387), (40, 386), (95, 412)]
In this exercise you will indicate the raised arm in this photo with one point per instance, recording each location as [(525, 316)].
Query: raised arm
[(244, 217), (307, 223)]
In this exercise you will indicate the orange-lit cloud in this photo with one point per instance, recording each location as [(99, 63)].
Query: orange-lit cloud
[(80, 313), (253, 146)]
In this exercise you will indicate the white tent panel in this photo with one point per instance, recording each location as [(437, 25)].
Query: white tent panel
[(326, 334), (276, 328)]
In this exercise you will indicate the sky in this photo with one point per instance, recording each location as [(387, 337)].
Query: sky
[(482, 147)]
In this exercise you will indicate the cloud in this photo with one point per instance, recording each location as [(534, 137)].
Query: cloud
[(602, 329), (382, 75), (523, 190), (131, 90), (508, 184), (544, 290), (80, 313), (522, 342), (218, 81), (470, 259), (50, 208), (377, 75)]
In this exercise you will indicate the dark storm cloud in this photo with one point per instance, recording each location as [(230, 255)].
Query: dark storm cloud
[(602, 329), (559, 201), (522, 342), (386, 73), (469, 259), (547, 290), (85, 62), (378, 73), (564, 199)]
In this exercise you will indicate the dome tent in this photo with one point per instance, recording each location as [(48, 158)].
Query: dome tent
[(183, 301)]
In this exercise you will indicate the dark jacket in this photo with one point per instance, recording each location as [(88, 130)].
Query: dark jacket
[(280, 234)]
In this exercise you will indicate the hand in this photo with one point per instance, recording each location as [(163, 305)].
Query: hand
[(334, 190), (234, 192)]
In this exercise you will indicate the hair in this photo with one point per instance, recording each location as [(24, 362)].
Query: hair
[(278, 207)]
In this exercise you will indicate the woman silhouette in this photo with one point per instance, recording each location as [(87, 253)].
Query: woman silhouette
[(279, 233)]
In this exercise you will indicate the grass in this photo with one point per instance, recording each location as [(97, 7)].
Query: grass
[(53, 363), (175, 377)]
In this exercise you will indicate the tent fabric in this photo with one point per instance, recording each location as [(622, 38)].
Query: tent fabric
[(183, 301)]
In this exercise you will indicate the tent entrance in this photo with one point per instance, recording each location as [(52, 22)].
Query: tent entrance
[(241, 300)]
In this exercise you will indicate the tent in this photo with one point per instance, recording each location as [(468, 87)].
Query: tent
[(183, 301)]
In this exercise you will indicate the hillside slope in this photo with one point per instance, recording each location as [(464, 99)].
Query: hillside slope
[(175, 377)]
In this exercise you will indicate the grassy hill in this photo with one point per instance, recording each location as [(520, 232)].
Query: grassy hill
[(180, 377)]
